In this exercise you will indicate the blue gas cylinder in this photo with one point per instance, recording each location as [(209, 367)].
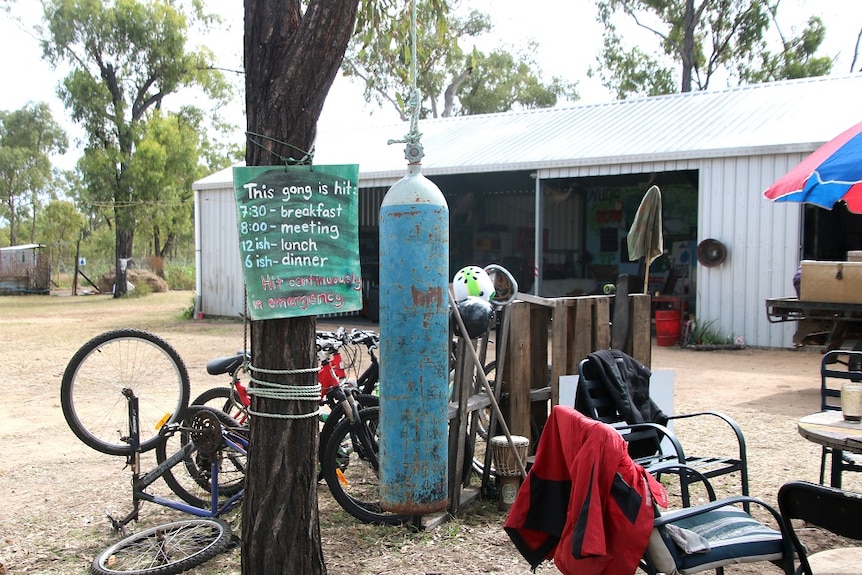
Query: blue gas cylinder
[(414, 346)]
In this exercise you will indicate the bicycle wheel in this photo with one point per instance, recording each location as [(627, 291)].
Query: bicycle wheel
[(165, 549), (92, 397), (223, 399), (350, 472), (191, 479), (335, 416)]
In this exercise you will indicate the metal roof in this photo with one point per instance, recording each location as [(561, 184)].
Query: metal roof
[(22, 247), (777, 117)]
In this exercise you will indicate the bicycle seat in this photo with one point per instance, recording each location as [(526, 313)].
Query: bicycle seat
[(227, 364)]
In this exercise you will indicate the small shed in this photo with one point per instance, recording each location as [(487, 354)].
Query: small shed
[(25, 269), (551, 193)]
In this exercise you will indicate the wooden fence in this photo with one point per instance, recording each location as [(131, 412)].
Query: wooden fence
[(547, 338)]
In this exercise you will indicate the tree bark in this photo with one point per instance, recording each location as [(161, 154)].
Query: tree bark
[(291, 60), (125, 235), (688, 47), (452, 89)]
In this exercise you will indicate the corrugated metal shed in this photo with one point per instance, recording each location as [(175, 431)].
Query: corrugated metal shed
[(738, 140), (780, 117)]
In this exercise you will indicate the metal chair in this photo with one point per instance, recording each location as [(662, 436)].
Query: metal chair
[(836, 367), (651, 444), (587, 506), (831, 509), (712, 535)]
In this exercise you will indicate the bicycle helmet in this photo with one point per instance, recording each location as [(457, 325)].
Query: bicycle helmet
[(472, 281), (476, 314)]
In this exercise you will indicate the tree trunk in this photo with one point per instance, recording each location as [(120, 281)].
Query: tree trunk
[(125, 235), (157, 242), (291, 60), (12, 219), (688, 46), (452, 89), (280, 527)]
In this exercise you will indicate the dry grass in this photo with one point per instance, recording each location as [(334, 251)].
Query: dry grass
[(56, 490)]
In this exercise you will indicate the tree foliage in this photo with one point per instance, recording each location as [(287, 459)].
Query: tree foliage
[(501, 81), (164, 167), (124, 58), (28, 137), (60, 226), (796, 58), (699, 41), (450, 81)]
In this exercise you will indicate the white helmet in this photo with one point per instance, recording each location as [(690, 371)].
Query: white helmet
[(472, 281)]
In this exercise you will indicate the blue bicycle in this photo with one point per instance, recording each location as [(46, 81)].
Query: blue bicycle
[(135, 380), (219, 450)]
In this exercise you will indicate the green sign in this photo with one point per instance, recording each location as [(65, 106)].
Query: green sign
[(299, 239)]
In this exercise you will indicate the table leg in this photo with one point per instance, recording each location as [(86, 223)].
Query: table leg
[(836, 336), (836, 468)]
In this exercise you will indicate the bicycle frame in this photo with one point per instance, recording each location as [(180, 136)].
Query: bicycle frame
[(140, 482)]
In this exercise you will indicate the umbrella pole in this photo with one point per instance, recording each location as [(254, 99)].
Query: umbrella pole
[(647, 261)]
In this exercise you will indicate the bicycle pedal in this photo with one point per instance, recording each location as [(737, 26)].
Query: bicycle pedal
[(116, 525)]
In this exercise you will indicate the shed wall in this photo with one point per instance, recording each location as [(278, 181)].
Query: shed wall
[(220, 272), (763, 239), (763, 242)]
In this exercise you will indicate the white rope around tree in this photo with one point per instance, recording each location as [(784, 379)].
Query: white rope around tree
[(285, 392)]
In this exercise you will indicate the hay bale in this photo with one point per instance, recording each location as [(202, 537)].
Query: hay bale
[(135, 277)]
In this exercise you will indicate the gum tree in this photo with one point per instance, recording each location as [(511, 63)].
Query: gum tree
[(698, 40), (28, 137), (293, 50), (125, 58), (451, 81)]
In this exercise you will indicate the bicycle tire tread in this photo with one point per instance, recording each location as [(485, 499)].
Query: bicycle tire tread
[(101, 564), (78, 360)]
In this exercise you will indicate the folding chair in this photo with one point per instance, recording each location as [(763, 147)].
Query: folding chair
[(831, 509), (651, 444), (836, 367)]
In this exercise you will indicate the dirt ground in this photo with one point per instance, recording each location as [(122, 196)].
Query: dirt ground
[(56, 490)]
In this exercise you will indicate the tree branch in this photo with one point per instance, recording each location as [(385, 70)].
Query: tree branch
[(452, 89)]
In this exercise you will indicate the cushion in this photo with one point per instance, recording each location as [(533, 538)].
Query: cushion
[(733, 536)]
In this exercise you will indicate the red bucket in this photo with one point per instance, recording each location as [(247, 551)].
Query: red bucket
[(667, 326)]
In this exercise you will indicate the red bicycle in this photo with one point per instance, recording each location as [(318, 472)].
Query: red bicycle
[(348, 445)]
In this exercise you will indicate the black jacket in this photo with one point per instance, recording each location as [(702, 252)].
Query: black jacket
[(627, 380)]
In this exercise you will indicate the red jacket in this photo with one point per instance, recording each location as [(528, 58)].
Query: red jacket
[(585, 503)]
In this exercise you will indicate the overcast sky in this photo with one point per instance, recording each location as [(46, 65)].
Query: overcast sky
[(567, 33)]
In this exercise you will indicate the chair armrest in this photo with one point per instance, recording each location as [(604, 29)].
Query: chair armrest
[(728, 420), (662, 431), (679, 469), (687, 512)]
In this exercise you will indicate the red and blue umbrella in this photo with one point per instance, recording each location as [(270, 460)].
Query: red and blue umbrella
[(832, 174)]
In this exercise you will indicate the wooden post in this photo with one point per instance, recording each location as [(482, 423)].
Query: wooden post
[(640, 340), (520, 366), (602, 322), (562, 340), (583, 343)]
